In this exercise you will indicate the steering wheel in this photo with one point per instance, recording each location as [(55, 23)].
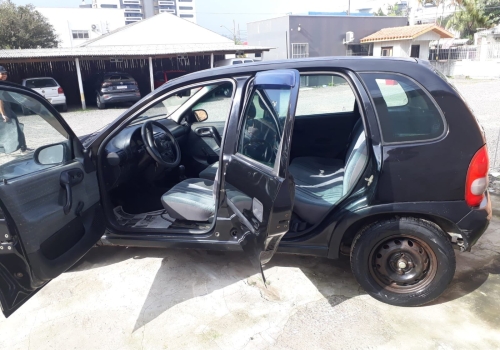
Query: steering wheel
[(164, 150)]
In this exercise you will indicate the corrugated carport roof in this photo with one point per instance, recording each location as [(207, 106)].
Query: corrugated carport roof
[(127, 51)]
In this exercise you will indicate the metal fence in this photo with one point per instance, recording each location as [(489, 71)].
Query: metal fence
[(466, 52)]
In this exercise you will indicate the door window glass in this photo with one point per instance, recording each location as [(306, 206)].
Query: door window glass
[(217, 103), (25, 126), (263, 123), (405, 111), (324, 94)]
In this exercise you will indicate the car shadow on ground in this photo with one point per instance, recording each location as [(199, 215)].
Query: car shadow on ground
[(186, 274)]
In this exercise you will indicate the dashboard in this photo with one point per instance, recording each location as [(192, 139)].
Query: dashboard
[(126, 155)]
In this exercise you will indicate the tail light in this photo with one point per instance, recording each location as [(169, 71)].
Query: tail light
[(477, 178), (105, 85), (60, 90)]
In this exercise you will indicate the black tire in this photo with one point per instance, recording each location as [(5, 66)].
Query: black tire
[(403, 261), (100, 104), (64, 108)]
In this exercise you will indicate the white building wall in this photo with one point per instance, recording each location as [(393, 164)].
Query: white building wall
[(94, 21), (400, 48)]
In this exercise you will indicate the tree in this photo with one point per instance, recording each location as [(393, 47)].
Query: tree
[(23, 27), (471, 15)]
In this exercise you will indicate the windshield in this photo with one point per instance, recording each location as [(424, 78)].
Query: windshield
[(173, 103)]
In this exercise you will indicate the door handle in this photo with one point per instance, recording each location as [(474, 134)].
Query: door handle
[(68, 179), (209, 131)]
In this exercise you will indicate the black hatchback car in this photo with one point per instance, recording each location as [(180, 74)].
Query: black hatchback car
[(377, 159)]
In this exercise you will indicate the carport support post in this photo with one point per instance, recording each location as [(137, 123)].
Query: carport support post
[(80, 84), (212, 60), (151, 79)]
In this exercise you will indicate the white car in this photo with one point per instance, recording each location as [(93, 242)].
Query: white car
[(50, 89)]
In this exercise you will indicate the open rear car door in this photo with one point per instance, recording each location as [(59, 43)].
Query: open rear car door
[(50, 212), (259, 189)]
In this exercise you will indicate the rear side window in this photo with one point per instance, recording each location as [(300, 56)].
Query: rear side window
[(405, 111)]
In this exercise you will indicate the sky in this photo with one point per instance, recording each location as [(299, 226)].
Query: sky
[(212, 14)]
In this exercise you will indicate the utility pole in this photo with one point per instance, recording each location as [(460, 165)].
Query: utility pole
[(234, 31)]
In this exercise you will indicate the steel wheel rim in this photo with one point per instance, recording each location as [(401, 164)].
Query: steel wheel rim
[(403, 264)]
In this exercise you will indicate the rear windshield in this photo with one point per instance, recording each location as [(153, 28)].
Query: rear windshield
[(237, 62), (41, 83), (118, 77)]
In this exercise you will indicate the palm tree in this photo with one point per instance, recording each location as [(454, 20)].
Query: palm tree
[(470, 16)]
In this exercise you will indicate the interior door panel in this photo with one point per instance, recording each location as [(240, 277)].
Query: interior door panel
[(35, 204), (322, 135), (204, 148)]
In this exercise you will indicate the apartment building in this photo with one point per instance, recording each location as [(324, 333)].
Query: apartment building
[(136, 10)]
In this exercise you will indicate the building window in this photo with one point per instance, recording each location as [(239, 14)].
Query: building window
[(415, 51), (387, 51), (185, 7), (108, 6), (186, 16), (80, 34), (185, 0), (300, 50)]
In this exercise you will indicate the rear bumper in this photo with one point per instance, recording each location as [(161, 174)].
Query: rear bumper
[(474, 224), (59, 100), (121, 97)]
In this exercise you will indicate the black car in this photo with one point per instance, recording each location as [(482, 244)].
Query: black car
[(111, 88), (376, 159)]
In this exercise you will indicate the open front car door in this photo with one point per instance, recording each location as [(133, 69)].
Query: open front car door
[(259, 189), (50, 212)]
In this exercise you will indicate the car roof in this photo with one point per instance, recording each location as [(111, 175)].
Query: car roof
[(358, 64), (38, 78)]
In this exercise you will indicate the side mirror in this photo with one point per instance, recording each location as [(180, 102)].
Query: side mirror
[(50, 155), (201, 115)]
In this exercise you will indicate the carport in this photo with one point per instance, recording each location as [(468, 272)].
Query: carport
[(139, 49)]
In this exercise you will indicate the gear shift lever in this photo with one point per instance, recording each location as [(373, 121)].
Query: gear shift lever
[(182, 172)]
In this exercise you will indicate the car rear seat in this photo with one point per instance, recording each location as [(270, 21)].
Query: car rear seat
[(321, 182)]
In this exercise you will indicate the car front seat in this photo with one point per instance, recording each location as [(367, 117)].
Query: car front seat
[(194, 199), (191, 200)]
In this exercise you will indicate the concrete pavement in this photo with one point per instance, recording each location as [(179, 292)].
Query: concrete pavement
[(131, 298)]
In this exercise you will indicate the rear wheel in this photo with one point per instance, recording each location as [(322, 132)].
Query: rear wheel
[(100, 104), (64, 108), (403, 262)]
